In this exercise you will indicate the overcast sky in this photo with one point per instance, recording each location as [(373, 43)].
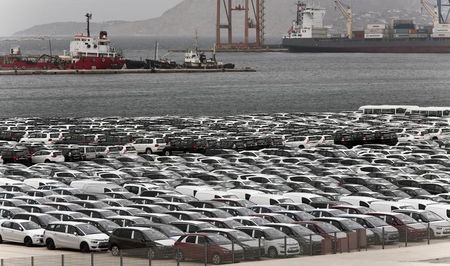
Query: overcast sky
[(17, 15)]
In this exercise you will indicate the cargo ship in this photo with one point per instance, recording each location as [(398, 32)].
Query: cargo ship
[(309, 35), (85, 52)]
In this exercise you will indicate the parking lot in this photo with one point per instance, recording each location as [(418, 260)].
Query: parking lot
[(223, 189)]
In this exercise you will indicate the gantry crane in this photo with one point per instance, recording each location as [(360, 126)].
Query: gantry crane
[(348, 15), (431, 10)]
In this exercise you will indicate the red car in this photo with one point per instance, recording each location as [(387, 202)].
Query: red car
[(408, 228), (215, 247)]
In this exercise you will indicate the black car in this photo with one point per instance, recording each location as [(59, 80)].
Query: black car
[(140, 241)]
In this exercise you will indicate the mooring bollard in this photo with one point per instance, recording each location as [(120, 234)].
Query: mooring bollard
[(310, 246), (428, 233), (382, 237)]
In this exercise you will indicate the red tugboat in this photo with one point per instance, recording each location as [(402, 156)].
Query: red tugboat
[(85, 52)]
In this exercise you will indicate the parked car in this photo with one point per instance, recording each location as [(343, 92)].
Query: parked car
[(218, 248), (141, 241), (47, 156), (276, 243), (21, 231), (75, 235)]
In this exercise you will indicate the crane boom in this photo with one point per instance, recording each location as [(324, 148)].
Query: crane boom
[(348, 15), (430, 9)]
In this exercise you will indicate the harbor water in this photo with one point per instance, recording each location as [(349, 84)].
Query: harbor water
[(283, 83)]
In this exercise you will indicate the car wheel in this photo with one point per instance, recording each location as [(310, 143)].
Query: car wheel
[(273, 253), (216, 259), (47, 161), (179, 255), (148, 151), (28, 242), (167, 153), (84, 247), (50, 244), (115, 251)]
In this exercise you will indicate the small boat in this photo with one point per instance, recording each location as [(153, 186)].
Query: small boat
[(194, 59), (161, 63)]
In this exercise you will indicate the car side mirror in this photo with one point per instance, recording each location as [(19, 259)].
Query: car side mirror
[(21, 229), (143, 240)]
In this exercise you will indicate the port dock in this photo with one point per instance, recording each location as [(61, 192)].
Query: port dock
[(120, 71)]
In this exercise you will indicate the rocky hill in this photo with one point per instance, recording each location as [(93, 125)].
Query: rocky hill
[(191, 15)]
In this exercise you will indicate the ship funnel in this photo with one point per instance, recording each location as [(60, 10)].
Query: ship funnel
[(103, 35)]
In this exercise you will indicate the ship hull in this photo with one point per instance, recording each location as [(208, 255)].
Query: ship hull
[(84, 63), (367, 45)]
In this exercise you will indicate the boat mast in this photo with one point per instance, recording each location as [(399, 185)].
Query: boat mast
[(88, 18), (156, 50)]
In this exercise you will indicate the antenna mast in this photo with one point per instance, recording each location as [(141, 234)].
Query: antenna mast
[(88, 18)]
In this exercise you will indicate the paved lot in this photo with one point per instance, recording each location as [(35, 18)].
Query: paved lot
[(395, 255)]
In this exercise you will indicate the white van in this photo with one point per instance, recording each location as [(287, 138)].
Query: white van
[(269, 199), (7, 181), (244, 193), (442, 210), (214, 194), (192, 190), (359, 200), (389, 206), (419, 204), (91, 186), (39, 182)]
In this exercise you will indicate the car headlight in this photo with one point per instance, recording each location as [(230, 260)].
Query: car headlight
[(439, 228)]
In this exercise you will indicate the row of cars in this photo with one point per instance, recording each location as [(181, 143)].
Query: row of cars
[(237, 200)]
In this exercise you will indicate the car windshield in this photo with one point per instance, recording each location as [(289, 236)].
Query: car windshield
[(88, 229), (154, 234), (109, 225), (431, 216), (273, 234), (171, 231), (302, 231), (375, 222), (30, 226), (241, 236), (232, 223), (48, 219), (406, 219), (218, 239), (319, 199), (329, 228), (351, 225)]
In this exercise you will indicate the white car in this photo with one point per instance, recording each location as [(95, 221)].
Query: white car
[(75, 235), (45, 137), (47, 156), (21, 231), (128, 150), (149, 145)]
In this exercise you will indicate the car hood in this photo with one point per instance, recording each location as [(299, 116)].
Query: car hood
[(230, 247), (439, 223), (417, 226), (251, 243), (102, 237), (166, 242), (35, 232)]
